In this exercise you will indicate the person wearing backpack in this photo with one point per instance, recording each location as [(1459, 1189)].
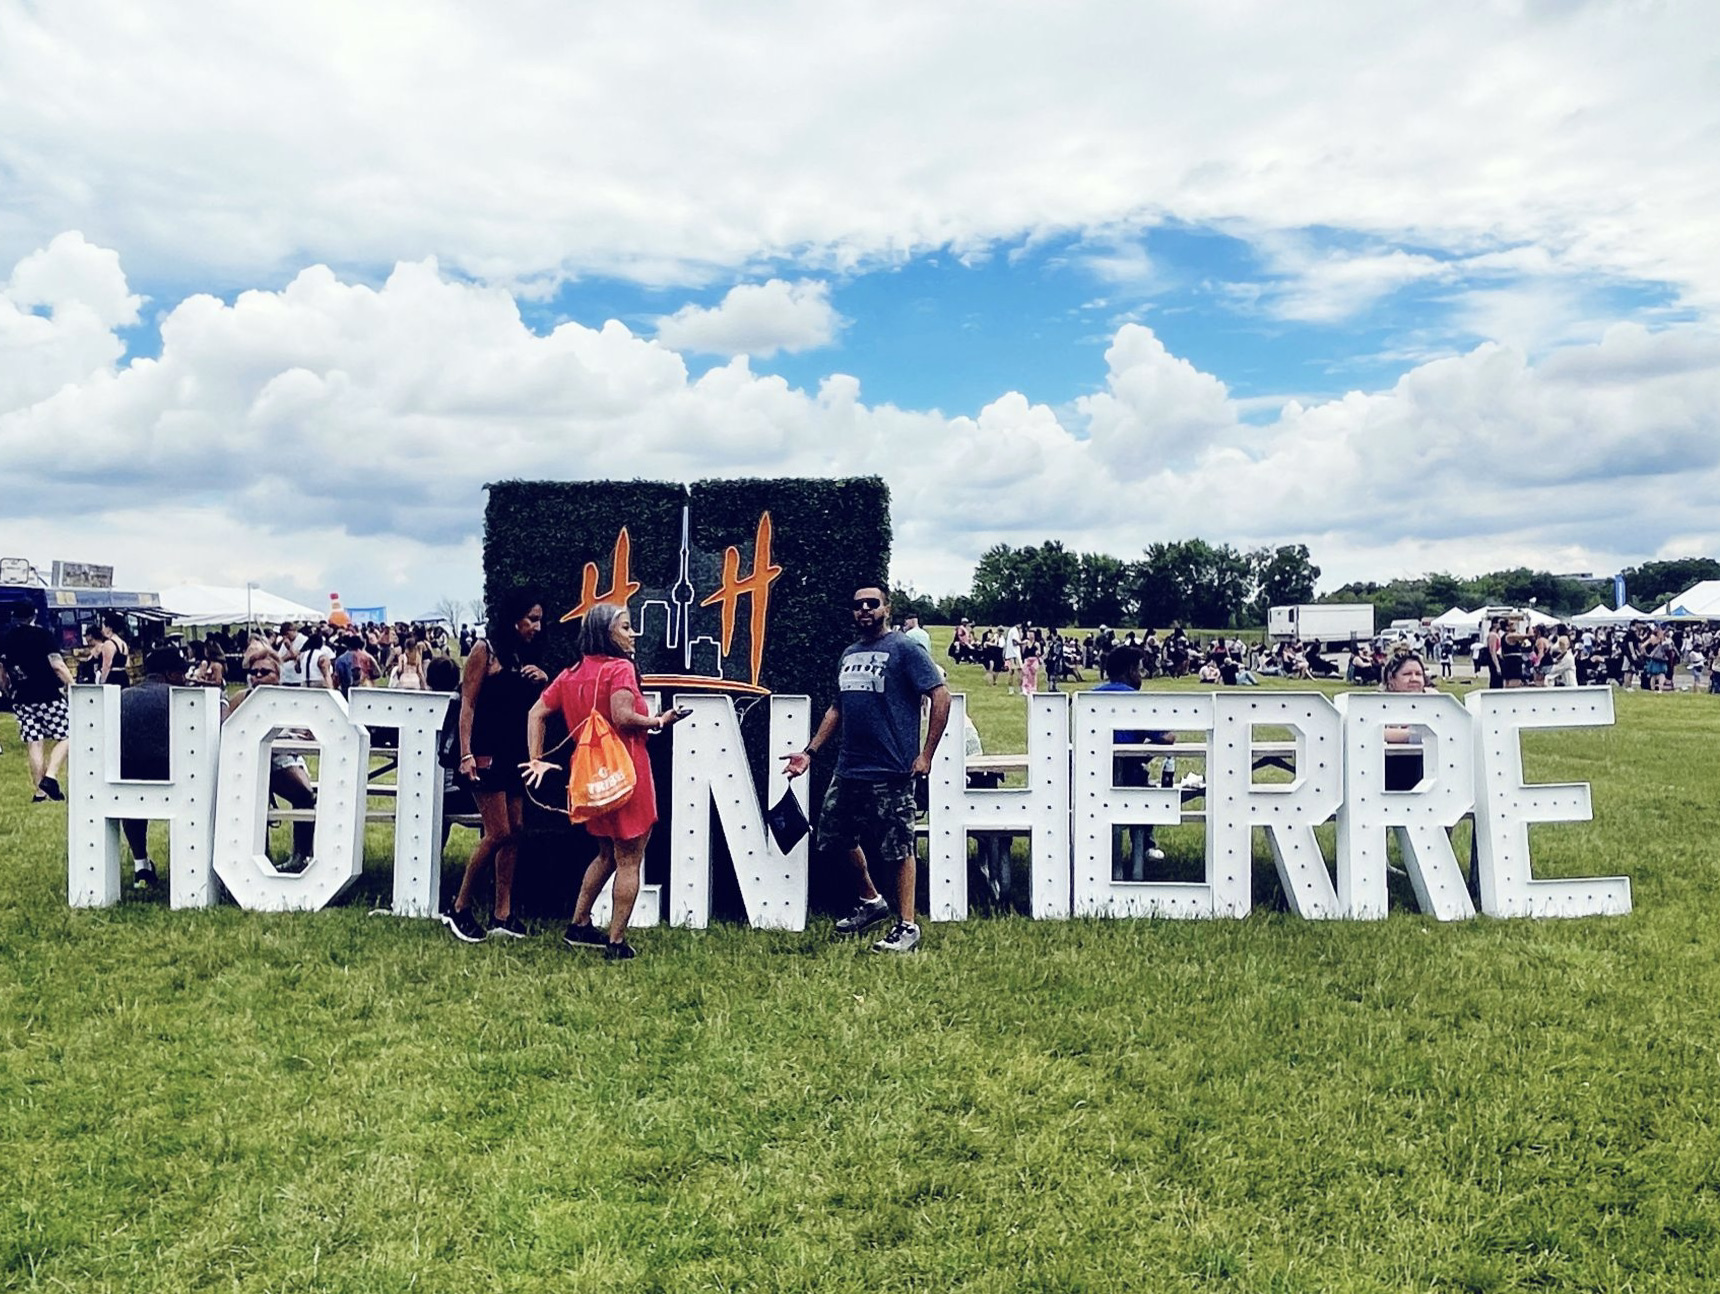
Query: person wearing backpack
[(604, 685)]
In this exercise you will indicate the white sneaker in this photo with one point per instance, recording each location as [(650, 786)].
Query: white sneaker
[(904, 937)]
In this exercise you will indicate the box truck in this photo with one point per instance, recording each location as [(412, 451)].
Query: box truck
[(1332, 625)]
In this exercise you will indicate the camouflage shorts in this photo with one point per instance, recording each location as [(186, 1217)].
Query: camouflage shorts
[(877, 816)]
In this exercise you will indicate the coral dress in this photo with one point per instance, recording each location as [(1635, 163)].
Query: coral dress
[(591, 685)]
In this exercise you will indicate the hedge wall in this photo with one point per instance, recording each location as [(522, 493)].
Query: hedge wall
[(827, 536)]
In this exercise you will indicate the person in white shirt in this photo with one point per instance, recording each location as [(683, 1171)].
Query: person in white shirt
[(289, 646)]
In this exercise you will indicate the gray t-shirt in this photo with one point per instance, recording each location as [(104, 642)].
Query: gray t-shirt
[(880, 684)]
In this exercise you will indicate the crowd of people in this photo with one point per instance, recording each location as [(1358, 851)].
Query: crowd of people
[(1029, 658)]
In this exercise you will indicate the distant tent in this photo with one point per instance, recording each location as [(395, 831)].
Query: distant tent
[(1699, 601), (1600, 614), (195, 605), (1456, 618)]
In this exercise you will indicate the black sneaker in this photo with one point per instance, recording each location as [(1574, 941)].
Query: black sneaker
[(51, 788), (903, 938), (143, 875), (870, 912), (618, 952), (508, 927), (584, 935), (466, 927)]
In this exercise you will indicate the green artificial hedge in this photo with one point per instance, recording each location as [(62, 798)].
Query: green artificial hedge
[(829, 537)]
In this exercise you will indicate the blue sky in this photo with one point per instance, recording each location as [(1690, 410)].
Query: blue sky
[(1432, 293)]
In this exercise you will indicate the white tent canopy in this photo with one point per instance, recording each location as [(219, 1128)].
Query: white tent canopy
[(1456, 618), (1698, 600), (195, 605), (1596, 617)]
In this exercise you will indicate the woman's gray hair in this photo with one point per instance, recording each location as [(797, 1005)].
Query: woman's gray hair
[(594, 639)]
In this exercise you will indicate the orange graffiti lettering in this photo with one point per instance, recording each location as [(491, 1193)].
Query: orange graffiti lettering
[(757, 585), (622, 585)]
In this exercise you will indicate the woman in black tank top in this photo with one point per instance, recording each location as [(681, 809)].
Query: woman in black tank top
[(498, 687)]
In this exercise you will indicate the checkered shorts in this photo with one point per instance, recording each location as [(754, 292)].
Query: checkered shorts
[(44, 721)]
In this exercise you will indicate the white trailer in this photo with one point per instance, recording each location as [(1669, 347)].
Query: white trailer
[(1332, 625)]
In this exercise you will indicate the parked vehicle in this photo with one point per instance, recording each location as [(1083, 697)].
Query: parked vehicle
[(1333, 626)]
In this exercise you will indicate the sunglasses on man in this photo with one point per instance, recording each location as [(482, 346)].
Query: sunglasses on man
[(867, 604)]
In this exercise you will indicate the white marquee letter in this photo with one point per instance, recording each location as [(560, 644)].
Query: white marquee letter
[(711, 765), (1100, 805), (241, 823), (1420, 816), (1289, 811), (1507, 805), (1041, 809), (100, 799), (418, 790)]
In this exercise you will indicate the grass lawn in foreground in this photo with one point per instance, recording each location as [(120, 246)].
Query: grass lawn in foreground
[(333, 1101)]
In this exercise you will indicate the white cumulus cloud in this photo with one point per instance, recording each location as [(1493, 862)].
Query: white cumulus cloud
[(522, 142), (332, 434), (756, 319)]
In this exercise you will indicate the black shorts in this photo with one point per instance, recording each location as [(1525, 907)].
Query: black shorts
[(501, 776), (877, 816)]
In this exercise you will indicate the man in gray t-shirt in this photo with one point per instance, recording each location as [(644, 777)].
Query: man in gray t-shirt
[(876, 718)]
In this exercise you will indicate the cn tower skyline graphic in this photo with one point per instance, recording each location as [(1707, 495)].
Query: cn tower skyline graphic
[(681, 598), (687, 649)]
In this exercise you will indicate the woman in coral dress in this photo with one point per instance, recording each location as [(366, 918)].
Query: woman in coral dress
[(606, 680)]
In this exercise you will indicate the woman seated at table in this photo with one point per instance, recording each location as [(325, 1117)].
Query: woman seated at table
[(1404, 671)]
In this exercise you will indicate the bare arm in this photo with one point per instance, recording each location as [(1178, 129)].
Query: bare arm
[(624, 714), (940, 716), (471, 681), (801, 760), (58, 665)]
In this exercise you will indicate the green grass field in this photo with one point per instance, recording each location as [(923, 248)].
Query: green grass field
[(224, 1100)]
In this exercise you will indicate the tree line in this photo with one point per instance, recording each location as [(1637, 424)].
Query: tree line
[(1219, 587), (1186, 580)]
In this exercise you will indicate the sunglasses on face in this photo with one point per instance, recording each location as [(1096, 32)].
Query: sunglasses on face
[(867, 604), (259, 673)]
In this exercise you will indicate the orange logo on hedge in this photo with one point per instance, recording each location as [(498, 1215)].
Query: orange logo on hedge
[(622, 585), (757, 585), (678, 630)]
